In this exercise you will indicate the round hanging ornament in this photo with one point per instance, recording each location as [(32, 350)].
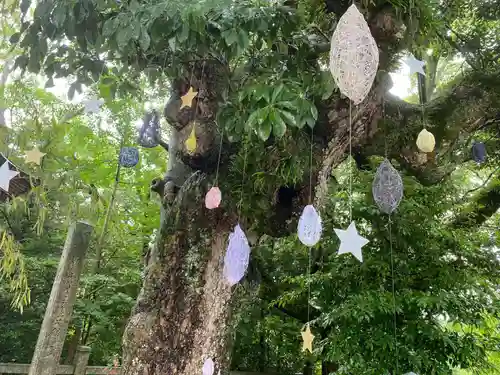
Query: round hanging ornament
[(479, 152), (387, 187), (426, 141), (353, 55), (309, 228), (129, 157)]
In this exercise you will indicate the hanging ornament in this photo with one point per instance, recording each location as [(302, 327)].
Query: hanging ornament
[(478, 152), (6, 174), (426, 141), (208, 367), (92, 105), (309, 229), (307, 338), (387, 187), (353, 56), (149, 133), (351, 241), (191, 140), (129, 157), (187, 98), (34, 156), (213, 198), (237, 256), (416, 66)]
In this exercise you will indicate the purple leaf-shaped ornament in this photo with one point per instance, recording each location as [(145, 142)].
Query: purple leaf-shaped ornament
[(479, 152), (208, 367), (309, 229), (237, 256)]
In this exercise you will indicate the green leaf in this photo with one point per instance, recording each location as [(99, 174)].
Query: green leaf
[(230, 36), (289, 118), (279, 126), (14, 38), (184, 35), (109, 27), (314, 112), (172, 44), (311, 122), (277, 90), (264, 130), (144, 40), (49, 83), (243, 40), (25, 5)]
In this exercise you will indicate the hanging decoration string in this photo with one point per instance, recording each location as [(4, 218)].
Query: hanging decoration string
[(350, 161), (389, 224)]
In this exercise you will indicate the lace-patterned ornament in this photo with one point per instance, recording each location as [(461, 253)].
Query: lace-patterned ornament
[(353, 55), (387, 188), (149, 134), (237, 256), (309, 229), (129, 157)]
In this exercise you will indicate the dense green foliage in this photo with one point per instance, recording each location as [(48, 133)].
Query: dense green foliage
[(445, 272)]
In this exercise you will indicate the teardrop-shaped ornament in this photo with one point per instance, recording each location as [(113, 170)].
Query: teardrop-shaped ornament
[(309, 228), (354, 55), (426, 141), (237, 256), (213, 198), (191, 141), (479, 152), (387, 187), (208, 367)]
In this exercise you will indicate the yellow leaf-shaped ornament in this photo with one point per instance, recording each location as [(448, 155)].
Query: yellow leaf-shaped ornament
[(426, 141), (191, 141)]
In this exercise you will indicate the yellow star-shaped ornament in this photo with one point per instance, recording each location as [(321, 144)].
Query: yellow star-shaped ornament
[(187, 98), (308, 338), (34, 156)]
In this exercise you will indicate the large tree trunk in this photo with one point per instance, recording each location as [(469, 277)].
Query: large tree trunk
[(181, 313)]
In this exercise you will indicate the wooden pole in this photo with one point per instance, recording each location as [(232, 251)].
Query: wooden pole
[(62, 297)]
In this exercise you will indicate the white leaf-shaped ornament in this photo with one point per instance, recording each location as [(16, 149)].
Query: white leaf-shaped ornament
[(208, 367), (353, 56), (237, 256), (387, 187), (309, 229)]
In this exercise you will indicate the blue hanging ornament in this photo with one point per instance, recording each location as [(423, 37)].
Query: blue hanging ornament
[(309, 229), (387, 187), (479, 152), (237, 256), (129, 157), (149, 133)]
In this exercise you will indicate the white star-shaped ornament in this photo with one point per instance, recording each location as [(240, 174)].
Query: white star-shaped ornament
[(92, 105), (351, 241), (34, 156), (416, 66), (307, 338), (6, 175)]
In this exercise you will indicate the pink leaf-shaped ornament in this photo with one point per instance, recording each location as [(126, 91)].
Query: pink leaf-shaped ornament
[(309, 229), (237, 256), (208, 367), (213, 198)]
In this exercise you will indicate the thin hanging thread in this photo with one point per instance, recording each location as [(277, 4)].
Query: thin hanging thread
[(243, 180), (350, 162), (311, 167), (218, 158), (392, 259)]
